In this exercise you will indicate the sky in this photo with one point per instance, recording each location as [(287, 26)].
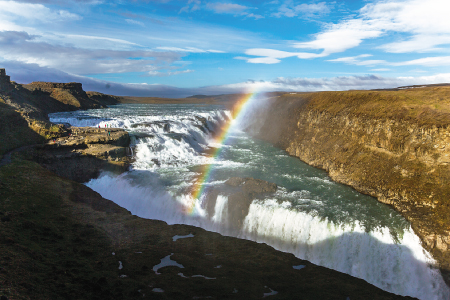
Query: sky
[(178, 48)]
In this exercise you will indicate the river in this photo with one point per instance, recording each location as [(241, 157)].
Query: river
[(310, 216)]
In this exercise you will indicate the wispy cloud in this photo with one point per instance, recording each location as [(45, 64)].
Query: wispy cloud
[(271, 56), (100, 38), (221, 8), (28, 13), (427, 26), (192, 5), (60, 1), (189, 49), (170, 73), (426, 61), (227, 8), (291, 9), (25, 73), (356, 60), (135, 22), (20, 46)]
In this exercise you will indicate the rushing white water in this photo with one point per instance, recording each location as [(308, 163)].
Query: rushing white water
[(310, 216)]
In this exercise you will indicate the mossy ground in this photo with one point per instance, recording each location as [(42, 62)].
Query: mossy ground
[(45, 253), (14, 130)]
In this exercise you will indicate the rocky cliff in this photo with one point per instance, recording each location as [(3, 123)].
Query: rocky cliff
[(24, 109), (84, 152), (37, 99), (393, 145)]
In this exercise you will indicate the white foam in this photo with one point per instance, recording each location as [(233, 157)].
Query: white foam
[(201, 276), (271, 293), (299, 267), (375, 256), (166, 262), (177, 237)]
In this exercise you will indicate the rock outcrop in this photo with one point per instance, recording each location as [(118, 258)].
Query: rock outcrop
[(37, 99), (84, 151), (71, 94), (33, 102), (391, 145), (5, 80)]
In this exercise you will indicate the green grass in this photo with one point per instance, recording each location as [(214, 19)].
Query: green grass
[(14, 130)]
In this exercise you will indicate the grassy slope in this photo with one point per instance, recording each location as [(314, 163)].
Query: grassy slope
[(14, 130), (57, 238), (425, 106)]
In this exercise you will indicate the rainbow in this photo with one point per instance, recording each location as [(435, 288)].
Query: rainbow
[(206, 171)]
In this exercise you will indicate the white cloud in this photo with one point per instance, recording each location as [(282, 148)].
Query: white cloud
[(329, 84), (221, 8), (188, 49), (271, 56), (22, 47), (134, 22), (427, 23), (356, 60), (192, 5), (227, 8), (161, 74), (380, 70), (61, 1), (25, 73), (232, 8), (252, 15), (418, 43), (426, 61), (289, 9), (434, 61), (356, 82), (31, 13), (341, 37), (90, 38)]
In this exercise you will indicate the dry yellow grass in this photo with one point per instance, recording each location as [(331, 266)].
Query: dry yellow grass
[(425, 106)]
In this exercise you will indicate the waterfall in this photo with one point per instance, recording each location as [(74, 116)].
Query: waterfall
[(312, 217)]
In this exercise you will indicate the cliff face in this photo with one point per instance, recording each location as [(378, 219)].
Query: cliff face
[(402, 159), (24, 109), (71, 94), (37, 99)]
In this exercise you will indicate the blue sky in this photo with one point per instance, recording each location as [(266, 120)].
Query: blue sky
[(182, 47)]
